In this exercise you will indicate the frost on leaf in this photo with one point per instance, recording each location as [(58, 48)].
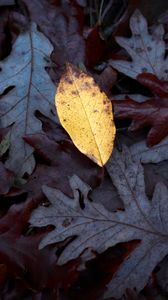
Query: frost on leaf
[(146, 50), (25, 87), (94, 227)]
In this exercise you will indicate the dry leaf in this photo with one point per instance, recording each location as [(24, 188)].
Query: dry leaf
[(86, 114), (152, 113), (146, 50), (140, 151), (25, 87), (94, 227)]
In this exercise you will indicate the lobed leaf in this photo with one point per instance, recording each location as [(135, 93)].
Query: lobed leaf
[(93, 227), (25, 87), (147, 51)]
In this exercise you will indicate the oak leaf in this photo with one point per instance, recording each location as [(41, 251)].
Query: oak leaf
[(140, 151), (146, 50), (93, 227), (86, 114), (25, 87)]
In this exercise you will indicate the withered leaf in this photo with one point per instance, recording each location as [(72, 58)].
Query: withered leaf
[(147, 51), (94, 227), (25, 87), (151, 113), (140, 151)]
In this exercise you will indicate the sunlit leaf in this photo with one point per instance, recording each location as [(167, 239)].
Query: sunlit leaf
[(86, 114)]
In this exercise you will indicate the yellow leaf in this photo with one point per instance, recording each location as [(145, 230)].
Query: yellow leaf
[(86, 114)]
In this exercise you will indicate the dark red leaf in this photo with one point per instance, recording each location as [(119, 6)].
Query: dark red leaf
[(20, 254), (158, 88), (95, 47), (53, 130), (62, 161), (152, 113)]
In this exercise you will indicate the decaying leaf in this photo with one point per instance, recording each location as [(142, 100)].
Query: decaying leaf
[(147, 51), (86, 114), (25, 87), (94, 227)]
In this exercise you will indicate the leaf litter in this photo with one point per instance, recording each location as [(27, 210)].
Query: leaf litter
[(55, 178), (96, 228)]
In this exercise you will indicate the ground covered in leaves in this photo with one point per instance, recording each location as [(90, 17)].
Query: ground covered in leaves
[(70, 229)]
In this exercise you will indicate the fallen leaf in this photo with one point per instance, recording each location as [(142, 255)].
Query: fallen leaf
[(106, 79), (20, 254), (62, 23), (140, 151), (25, 87), (149, 113), (93, 227), (152, 113), (94, 41), (147, 51), (55, 132), (86, 114), (60, 161)]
